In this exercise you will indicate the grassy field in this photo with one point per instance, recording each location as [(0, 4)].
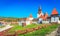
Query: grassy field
[(40, 32), (18, 27)]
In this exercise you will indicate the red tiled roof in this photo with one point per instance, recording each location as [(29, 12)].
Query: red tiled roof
[(54, 11), (44, 17)]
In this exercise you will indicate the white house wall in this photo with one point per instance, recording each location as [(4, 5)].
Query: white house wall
[(30, 19), (27, 22)]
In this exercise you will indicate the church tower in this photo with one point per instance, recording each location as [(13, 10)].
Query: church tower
[(40, 15), (39, 12), (54, 16)]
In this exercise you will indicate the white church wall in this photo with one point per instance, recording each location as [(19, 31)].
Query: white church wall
[(56, 19), (52, 19), (45, 21)]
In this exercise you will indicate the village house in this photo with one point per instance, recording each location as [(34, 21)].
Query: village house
[(29, 20), (26, 21)]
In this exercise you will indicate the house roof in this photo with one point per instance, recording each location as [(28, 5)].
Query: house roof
[(44, 17), (54, 11), (30, 17)]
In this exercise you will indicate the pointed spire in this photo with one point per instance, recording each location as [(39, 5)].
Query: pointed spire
[(45, 16), (54, 12), (39, 10)]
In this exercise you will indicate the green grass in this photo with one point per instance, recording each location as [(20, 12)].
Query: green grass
[(18, 27), (2, 26), (15, 27), (31, 26), (41, 32)]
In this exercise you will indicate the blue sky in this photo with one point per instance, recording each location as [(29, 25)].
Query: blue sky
[(23, 8)]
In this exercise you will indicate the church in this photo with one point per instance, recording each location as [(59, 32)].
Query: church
[(44, 18)]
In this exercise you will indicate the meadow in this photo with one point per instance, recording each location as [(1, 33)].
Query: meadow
[(42, 31)]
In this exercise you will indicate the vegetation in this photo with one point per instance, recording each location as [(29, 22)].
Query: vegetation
[(2, 26), (41, 32), (18, 27)]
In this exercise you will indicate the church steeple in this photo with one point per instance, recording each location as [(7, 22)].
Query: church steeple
[(54, 12), (39, 10)]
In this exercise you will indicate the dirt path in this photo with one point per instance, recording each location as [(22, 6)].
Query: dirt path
[(53, 33), (58, 31)]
